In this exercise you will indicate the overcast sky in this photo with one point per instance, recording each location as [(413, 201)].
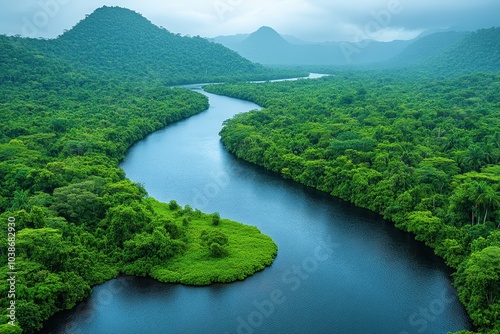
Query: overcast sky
[(311, 20)]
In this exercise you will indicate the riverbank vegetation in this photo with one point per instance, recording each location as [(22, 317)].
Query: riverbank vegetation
[(223, 252), (422, 152), (78, 221)]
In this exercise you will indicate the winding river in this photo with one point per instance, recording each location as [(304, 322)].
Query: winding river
[(340, 269)]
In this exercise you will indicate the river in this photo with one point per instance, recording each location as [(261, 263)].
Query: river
[(339, 269)]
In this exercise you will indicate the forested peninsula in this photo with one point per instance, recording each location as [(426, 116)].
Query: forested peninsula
[(423, 152), (69, 214)]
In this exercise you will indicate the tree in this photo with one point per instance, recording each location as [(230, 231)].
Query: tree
[(78, 202), (155, 247), (478, 280), (9, 329), (173, 205), (487, 198), (20, 200), (215, 242), (426, 227), (215, 219), (124, 221), (28, 315)]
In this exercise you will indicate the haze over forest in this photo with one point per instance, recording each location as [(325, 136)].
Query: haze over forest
[(308, 20)]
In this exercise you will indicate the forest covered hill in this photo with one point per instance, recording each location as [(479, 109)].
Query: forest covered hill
[(427, 46), (119, 42), (455, 54)]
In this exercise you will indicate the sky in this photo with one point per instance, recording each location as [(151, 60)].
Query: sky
[(309, 20)]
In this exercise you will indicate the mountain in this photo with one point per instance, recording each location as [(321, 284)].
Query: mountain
[(427, 45), (453, 53), (477, 51), (265, 37), (120, 42), (294, 40), (230, 41), (266, 46)]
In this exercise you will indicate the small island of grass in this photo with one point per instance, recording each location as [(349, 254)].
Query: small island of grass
[(211, 249)]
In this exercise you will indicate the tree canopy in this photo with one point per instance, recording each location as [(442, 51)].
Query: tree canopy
[(78, 221), (422, 152)]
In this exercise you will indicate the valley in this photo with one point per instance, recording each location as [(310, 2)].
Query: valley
[(267, 201)]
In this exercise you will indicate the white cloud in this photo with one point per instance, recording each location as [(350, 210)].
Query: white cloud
[(314, 20)]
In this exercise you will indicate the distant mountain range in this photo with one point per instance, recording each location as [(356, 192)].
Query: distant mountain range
[(266, 46), (119, 42), (435, 51)]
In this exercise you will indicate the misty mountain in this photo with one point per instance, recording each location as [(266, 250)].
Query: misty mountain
[(452, 53), (477, 51), (427, 45), (120, 42), (266, 46), (232, 41)]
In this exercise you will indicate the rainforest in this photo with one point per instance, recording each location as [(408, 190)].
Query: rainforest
[(413, 138), (422, 153)]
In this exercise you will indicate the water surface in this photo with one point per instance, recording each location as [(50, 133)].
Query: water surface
[(339, 269)]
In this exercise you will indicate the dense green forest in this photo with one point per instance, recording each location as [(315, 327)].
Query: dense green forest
[(119, 42), (75, 220), (424, 153)]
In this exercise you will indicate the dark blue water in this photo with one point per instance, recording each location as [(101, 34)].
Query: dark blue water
[(340, 269)]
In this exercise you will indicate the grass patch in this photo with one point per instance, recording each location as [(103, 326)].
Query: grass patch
[(248, 250)]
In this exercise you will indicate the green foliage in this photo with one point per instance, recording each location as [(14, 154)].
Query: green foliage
[(423, 153), (478, 278), (475, 52), (9, 329), (173, 205), (121, 43), (215, 241), (79, 221), (215, 219), (240, 251)]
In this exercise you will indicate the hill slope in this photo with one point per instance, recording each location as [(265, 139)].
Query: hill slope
[(478, 51), (452, 54), (120, 42), (427, 46)]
